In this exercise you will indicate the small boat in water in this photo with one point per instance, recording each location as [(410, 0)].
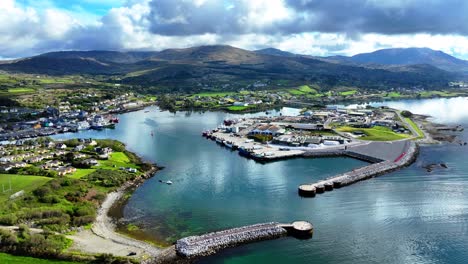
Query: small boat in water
[(168, 182), (218, 140)]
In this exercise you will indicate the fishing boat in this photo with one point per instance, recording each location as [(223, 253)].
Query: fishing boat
[(219, 141), (83, 125), (228, 144), (168, 182), (97, 125), (244, 152)]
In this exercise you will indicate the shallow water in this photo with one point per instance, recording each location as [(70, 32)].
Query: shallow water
[(409, 216)]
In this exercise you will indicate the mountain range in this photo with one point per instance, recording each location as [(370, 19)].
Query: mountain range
[(226, 67)]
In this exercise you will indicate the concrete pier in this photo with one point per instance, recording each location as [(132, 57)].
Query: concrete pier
[(208, 244), (406, 157), (384, 156)]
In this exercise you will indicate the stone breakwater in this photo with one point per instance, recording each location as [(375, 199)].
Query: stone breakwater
[(363, 173), (208, 244)]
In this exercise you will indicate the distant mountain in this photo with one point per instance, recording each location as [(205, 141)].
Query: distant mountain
[(275, 52), (408, 56), (212, 67)]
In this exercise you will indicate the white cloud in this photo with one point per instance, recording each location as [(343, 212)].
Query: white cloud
[(29, 30)]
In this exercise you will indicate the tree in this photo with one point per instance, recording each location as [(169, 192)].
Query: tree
[(406, 113)]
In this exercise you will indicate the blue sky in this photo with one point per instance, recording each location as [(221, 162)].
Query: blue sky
[(320, 28), (93, 7)]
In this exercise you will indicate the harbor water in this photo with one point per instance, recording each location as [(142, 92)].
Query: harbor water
[(408, 216)]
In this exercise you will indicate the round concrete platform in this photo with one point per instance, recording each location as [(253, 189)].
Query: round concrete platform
[(307, 190)]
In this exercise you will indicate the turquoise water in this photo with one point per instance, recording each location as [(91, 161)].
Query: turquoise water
[(409, 216)]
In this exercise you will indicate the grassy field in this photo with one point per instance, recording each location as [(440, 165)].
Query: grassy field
[(415, 127), (394, 95), (376, 133), (10, 259), (115, 161), (20, 182), (80, 173), (347, 93), (21, 90), (237, 108), (303, 90)]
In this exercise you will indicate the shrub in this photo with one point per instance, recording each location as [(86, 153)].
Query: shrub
[(8, 238), (406, 113), (41, 192), (9, 219)]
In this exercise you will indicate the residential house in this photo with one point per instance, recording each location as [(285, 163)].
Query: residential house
[(61, 146), (79, 148), (90, 162)]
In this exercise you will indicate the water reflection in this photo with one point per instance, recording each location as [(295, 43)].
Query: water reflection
[(445, 110)]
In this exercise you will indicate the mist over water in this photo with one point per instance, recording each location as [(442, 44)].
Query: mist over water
[(409, 216)]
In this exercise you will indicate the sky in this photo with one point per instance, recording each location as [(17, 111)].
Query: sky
[(312, 27)]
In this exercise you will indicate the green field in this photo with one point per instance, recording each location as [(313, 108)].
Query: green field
[(21, 90), (347, 93), (10, 259), (115, 161), (20, 182), (237, 108), (393, 95), (302, 90), (80, 173), (415, 127), (376, 133)]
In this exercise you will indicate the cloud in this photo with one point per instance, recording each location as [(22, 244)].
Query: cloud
[(302, 26), (185, 17), (384, 17)]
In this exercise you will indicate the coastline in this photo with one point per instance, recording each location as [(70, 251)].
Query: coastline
[(103, 229)]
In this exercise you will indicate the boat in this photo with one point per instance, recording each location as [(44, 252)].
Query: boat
[(228, 144), (244, 152), (110, 125), (152, 134), (146, 111), (219, 140), (83, 125), (97, 125), (168, 182), (258, 155)]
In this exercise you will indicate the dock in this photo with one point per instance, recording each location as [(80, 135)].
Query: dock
[(384, 157), (404, 157), (208, 244)]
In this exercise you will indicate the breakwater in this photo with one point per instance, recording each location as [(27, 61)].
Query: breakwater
[(208, 244), (404, 159)]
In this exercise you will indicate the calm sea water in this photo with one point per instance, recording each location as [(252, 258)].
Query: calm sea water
[(409, 216)]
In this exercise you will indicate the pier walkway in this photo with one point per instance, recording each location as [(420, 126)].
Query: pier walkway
[(208, 244), (391, 158)]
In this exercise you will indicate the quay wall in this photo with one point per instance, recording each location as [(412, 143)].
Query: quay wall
[(360, 156), (363, 173), (208, 244)]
